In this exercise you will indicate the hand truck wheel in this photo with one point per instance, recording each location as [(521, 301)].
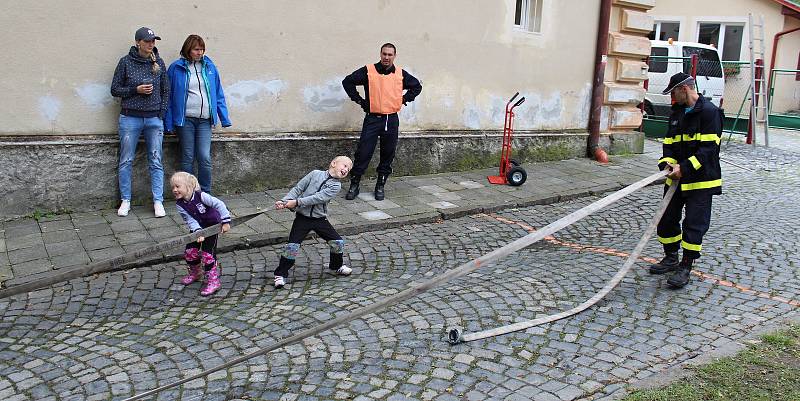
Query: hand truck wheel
[(516, 176), (514, 162)]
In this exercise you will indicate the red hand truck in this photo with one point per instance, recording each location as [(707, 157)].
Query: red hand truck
[(511, 172)]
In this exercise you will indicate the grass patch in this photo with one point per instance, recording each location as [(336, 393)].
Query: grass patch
[(768, 371), (40, 215)]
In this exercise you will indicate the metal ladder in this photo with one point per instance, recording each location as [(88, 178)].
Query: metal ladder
[(759, 100)]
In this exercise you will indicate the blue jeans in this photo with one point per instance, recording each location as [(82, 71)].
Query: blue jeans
[(195, 137), (130, 128)]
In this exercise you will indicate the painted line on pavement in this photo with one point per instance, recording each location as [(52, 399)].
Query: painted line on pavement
[(615, 252)]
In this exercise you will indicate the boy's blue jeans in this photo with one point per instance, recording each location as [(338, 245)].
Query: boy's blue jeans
[(130, 128)]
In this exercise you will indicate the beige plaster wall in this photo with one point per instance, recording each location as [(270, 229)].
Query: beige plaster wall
[(787, 88), (281, 62)]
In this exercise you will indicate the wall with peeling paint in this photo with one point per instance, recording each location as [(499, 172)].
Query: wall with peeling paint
[(282, 62), (281, 65)]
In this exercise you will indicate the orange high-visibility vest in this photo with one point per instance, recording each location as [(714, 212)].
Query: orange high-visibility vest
[(385, 91)]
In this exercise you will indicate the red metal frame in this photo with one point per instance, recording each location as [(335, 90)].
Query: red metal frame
[(759, 72), (505, 153)]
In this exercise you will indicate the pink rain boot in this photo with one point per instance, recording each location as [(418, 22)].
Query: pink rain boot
[(195, 274), (192, 257), (212, 276)]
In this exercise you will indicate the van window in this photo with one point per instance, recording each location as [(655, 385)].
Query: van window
[(658, 64), (707, 62)]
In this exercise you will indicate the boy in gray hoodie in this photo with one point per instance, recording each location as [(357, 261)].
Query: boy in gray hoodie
[(309, 199)]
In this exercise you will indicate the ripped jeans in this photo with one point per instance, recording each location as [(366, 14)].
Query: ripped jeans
[(130, 128)]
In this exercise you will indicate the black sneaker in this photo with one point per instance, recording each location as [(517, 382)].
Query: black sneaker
[(680, 278), (666, 265)]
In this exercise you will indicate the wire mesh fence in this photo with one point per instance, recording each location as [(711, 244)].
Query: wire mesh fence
[(784, 106), (738, 80), (785, 92), (726, 83)]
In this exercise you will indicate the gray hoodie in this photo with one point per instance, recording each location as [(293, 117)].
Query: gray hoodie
[(313, 193)]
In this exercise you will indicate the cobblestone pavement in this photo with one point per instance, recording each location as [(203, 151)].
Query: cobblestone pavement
[(110, 336), (785, 139)]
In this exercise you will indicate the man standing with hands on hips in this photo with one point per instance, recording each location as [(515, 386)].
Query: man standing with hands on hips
[(383, 84), (691, 153)]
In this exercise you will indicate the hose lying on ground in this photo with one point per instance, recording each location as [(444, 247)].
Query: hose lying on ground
[(456, 336), (423, 287)]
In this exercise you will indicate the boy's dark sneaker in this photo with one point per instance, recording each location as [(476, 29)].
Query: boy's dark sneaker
[(666, 265), (279, 282)]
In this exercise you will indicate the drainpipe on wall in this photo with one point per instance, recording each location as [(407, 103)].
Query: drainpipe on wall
[(775, 52), (601, 59)]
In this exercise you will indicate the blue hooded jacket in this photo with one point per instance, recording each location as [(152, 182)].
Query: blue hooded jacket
[(178, 73)]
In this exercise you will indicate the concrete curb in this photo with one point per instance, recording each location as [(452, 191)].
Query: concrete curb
[(262, 240)]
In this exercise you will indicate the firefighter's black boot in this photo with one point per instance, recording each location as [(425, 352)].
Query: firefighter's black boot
[(680, 278), (666, 265), (353, 191), (379, 191)]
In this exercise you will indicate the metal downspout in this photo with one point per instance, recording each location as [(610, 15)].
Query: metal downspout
[(601, 59)]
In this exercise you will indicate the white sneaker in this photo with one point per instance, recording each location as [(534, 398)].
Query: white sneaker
[(344, 271), (124, 208), (159, 208), (279, 282)]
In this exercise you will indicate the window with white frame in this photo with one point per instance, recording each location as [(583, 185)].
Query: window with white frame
[(664, 30), (528, 15), (726, 37)]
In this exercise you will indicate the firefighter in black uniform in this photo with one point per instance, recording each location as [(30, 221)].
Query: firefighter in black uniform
[(383, 84), (691, 153)]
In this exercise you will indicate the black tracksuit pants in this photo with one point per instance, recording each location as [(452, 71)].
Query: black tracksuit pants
[(383, 127), (689, 235), (303, 225)]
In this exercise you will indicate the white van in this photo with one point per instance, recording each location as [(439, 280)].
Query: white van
[(710, 77)]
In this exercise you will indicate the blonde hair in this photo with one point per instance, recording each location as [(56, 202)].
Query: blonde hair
[(156, 67), (182, 177), (342, 158)]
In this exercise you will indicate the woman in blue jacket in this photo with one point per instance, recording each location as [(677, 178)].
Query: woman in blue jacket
[(196, 104)]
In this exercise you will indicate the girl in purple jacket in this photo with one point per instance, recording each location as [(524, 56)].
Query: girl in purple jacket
[(200, 210)]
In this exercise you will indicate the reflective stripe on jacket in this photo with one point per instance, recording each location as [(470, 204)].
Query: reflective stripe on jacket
[(692, 141)]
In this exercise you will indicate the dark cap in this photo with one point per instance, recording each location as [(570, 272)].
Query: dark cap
[(145, 33), (677, 80)]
